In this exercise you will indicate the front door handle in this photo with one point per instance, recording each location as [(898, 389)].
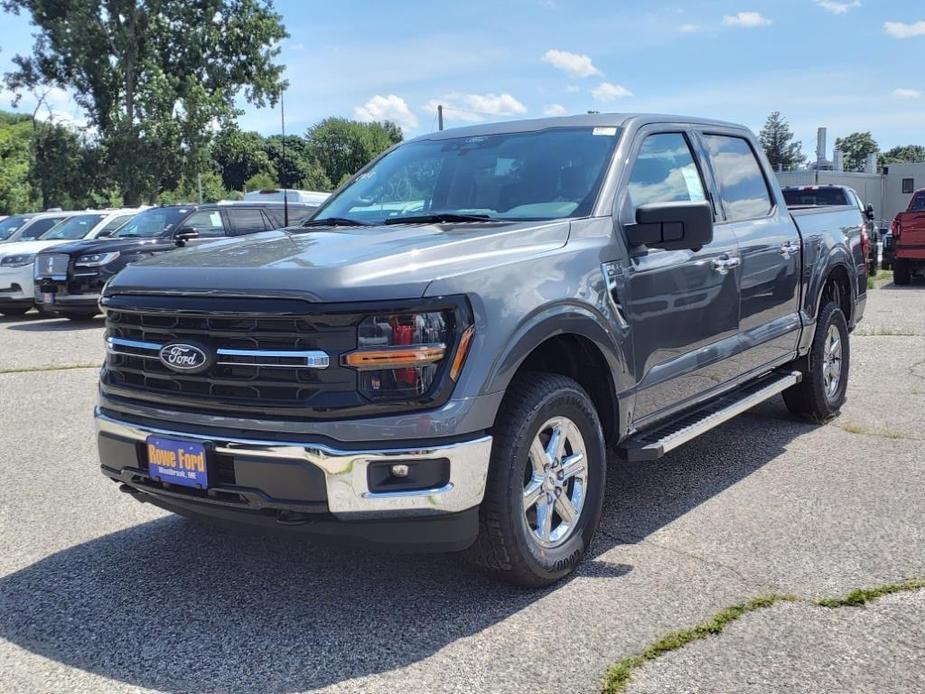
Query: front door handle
[(789, 248), (724, 263)]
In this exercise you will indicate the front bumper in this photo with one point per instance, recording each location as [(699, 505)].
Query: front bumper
[(266, 479), (54, 295), (16, 286)]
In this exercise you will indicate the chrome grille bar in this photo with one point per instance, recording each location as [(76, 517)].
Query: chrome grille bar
[(308, 359)]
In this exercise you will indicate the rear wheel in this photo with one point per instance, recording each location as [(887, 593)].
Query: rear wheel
[(545, 485), (821, 393), (902, 273), (14, 311)]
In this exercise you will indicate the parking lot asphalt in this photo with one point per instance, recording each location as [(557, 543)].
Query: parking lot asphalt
[(101, 593)]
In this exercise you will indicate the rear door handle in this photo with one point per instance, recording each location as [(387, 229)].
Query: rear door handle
[(724, 263)]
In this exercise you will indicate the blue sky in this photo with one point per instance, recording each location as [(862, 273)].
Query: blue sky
[(845, 64)]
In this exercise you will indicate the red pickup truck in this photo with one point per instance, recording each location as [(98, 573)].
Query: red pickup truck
[(909, 240)]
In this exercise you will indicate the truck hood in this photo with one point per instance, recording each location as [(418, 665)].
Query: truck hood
[(24, 247), (343, 264)]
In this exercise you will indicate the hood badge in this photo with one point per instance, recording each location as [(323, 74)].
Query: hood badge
[(184, 357)]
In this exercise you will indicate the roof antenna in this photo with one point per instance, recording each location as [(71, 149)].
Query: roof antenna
[(282, 115)]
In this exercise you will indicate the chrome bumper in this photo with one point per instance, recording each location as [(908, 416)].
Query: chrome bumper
[(345, 472)]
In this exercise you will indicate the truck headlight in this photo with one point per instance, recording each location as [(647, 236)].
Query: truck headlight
[(401, 355), (96, 259), (18, 260)]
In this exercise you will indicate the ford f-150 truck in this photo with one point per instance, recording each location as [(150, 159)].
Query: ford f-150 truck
[(908, 240), (443, 357)]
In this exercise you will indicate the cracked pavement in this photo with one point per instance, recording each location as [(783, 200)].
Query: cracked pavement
[(100, 593)]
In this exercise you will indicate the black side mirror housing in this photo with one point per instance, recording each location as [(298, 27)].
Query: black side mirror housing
[(185, 234), (104, 234), (672, 226)]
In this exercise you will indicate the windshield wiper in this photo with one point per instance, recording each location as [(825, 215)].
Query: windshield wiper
[(333, 222), (438, 217)]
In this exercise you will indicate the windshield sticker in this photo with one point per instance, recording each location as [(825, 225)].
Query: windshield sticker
[(604, 131)]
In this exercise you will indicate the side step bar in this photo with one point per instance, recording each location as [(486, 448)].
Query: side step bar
[(655, 443)]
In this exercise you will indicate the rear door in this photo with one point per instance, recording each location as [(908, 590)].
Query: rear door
[(683, 305), (769, 243)]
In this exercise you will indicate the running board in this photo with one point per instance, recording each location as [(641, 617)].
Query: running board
[(655, 443)]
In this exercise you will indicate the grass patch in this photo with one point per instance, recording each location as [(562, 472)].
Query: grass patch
[(880, 331), (862, 596), (618, 676), (65, 367), (860, 430)]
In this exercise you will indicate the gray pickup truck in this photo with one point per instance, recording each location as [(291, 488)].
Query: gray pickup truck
[(443, 355)]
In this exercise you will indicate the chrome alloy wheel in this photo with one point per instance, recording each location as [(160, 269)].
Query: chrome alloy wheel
[(831, 362), (555, 482)]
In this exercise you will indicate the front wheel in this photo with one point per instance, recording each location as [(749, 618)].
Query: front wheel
[(821, 393), (545, 487)]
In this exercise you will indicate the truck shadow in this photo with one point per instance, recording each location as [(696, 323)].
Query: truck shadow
[(177, 606)]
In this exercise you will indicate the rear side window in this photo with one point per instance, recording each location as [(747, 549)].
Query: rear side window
[(247, 221), (207, 222), (665, 171), (39, 227), (918, 202), (741, 182), (115, 223)]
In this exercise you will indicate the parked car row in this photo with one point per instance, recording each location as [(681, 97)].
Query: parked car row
[(59, 261)]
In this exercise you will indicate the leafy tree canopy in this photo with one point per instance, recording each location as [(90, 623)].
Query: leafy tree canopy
[(856, 147), (342, 147), (153, 75), (776, 139), (903, 154), (241, 155)]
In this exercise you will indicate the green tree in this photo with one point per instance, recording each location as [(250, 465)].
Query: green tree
[(261, 181), (776, 139), (294, 163), (856, 147), (342, 147), (16, 194), (240, 155), (903, 154), (65, 168), (153, 75)]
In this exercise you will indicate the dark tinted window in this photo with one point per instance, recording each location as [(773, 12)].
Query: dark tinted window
[(665, 172), (297, 214), (207, 222), (246, 221), (742, 186), (11, 224), (918, 202), (39, 227), (815, 197)]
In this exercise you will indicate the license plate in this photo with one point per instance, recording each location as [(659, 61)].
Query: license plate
[(48, 298), (177, 462)]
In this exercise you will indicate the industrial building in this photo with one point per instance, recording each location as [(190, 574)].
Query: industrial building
[(888, 189)]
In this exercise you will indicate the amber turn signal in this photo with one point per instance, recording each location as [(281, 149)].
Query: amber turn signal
[(461, 352), (395, 358)]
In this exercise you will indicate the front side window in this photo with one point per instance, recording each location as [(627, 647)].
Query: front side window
[(73, 228), (38, 228), (665, 171), (208, 223), (547, 174), (741, 182), (10, 225)]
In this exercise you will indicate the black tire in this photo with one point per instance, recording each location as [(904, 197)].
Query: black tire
[(15, 311), (506, 545), (872, 271), (81, 316), (810, 399), (902, 274)]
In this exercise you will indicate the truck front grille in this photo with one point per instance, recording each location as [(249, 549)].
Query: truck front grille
[(267, 358)]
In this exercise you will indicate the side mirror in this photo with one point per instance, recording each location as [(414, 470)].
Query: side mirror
[(672, 226), (104, 234), (869, 212), (185, 234)]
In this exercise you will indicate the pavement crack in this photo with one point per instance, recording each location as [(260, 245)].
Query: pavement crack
[(62, 367)]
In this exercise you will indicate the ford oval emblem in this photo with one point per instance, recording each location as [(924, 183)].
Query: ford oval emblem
[(183, 357)]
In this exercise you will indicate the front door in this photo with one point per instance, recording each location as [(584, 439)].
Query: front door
[(683, 305)]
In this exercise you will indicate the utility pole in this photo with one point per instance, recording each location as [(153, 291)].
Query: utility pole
[(440, 117), (282, 114)]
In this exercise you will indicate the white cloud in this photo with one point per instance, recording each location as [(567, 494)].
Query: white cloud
[(606, 92), (838, 7), (899, 30), (575, 64), (748, 20), (908, 93), (555, 110), (473, 108), (389, 107)]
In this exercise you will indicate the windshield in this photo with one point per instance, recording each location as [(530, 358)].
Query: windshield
[(815, 197), (151, 223), (11, 224), (73, 228), (548, 174)]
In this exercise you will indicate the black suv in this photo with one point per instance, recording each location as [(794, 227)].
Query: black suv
[(68, 278)]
